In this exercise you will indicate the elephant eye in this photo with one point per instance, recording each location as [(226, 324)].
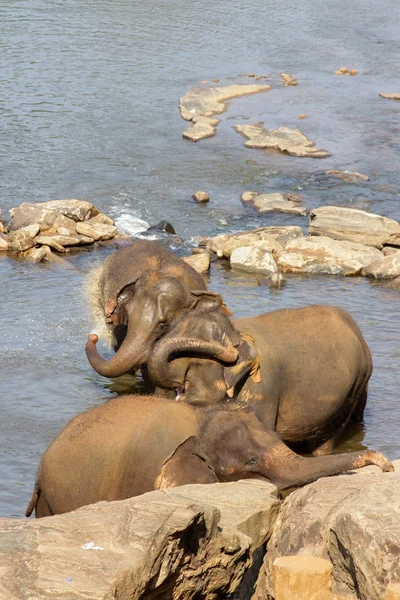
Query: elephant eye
[(252, 461)]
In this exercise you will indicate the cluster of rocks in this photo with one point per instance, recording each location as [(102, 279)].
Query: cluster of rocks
[(341, 241), (35, 231), (214, 541)]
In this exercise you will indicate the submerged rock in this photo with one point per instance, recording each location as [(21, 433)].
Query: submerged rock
[(349, 176), (326, 255), (200, 104), (164, 226), (284, 139), (354, 225), (275, 202)]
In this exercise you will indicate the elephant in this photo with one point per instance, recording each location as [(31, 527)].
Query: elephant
[(134, 444), (138, 291), (305, 371)]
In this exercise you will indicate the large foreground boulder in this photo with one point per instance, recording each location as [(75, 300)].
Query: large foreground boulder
[(354, 225), (352, 519), (191, 542)]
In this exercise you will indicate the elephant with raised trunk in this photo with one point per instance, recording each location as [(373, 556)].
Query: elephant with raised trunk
[(135, 444), (304, 371), (137, 292)]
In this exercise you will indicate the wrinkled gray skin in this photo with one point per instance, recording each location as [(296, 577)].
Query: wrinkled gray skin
[(138, 291), (135, 444), (304, 371)]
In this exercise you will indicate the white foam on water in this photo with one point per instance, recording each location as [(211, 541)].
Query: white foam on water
[(130, 224)]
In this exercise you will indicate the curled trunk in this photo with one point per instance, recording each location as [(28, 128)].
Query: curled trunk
[(130, 355), (162, 371)]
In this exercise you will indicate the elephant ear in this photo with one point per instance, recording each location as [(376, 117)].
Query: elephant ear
[(112, 303), (188, 463), (248, 362), (208, 301)]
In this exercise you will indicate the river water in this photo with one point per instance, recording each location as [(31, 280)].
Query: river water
[(89, 109)]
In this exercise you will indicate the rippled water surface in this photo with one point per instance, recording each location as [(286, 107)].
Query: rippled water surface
[(89, 109)]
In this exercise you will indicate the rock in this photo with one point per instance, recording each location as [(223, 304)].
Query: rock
[(162, 226), (275, 202), (277, 237), (199, 262), (84, 240), (287, 79), (202, 128), (255, 260), (4, 244), (275, 280), (284, 139), (37, 255), (301, 577), (354, 520), (96, 231), (57, 242), (349, 176), (102, 219), (345, 71), (62, 231), (354, 225), (388, 251), (206, 102), (24, 238), (302, 116), (2, 228), (201, 197), (390, 96), (393, 591), (325, 255), (179, 543), (387, 267), (393, 284), (52, 214)]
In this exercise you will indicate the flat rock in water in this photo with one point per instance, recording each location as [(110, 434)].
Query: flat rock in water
[(276, 202), (354, 225), (23, 238), (326, 255), (199, 262), (385, 268), (390, 96), (352, 519), (199, 104), (188, 542), (52, 214), (97, 231), (284, 139), (349, 176)]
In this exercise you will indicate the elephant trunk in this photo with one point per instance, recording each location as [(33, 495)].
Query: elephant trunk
[(286, 469), (165, 375), (129, 356)]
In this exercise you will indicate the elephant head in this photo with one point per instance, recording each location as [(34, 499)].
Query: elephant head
[(144, 311), (232, 444), (189, 358)]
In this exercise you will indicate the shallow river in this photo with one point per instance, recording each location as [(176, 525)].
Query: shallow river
[(89, 109)]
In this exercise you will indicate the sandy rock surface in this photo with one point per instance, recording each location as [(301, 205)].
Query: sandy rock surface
[(352, 519), (180, 543), (326, 255)]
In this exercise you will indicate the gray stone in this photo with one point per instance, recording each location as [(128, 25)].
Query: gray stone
[(284, 139), (354, 225), (276, 202), (177, 543), (97, 231), (326, 255), (199, 104), (199, 262), (385, 268), (351, 519), (24, 238)]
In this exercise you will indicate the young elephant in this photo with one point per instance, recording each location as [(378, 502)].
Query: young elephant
[(135, 444), (137, 292), (305, 371)]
